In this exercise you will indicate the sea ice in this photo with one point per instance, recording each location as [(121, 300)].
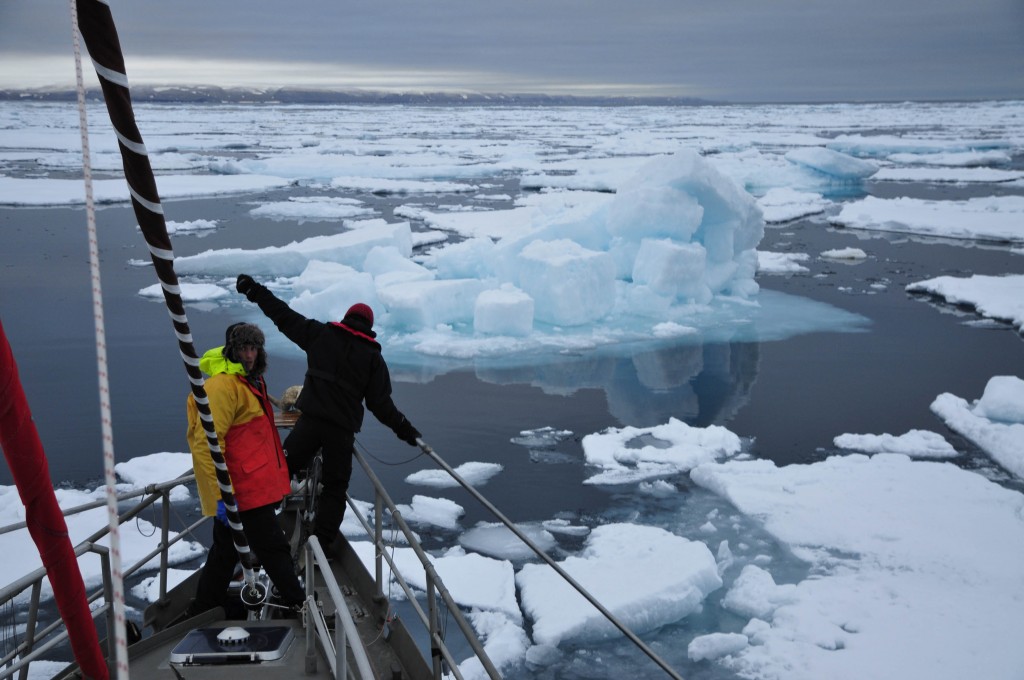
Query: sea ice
[(995, 422), (915, 443), (607, 568), (996, 297), (832, 163), (993, 218)]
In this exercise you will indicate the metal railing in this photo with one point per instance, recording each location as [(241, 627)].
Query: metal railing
[(430, 619), (436, 588), (38, 640), (335, 648)]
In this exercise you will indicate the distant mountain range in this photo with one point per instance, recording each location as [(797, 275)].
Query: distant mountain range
[(218, 95)]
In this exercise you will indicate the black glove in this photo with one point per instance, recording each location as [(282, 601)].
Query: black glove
[(407, 433), (246, 285)]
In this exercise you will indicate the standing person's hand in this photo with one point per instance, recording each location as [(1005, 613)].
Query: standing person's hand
[(222, 513), (407, 433), (244, 284)]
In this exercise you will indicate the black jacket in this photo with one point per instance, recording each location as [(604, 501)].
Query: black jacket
[(344, 366)]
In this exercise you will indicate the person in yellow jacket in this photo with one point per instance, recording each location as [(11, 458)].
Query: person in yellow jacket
[(244, 420)]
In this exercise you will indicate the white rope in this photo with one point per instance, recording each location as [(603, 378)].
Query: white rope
[(120, 639)]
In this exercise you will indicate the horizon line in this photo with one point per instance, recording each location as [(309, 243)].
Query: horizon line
[(178, 93)]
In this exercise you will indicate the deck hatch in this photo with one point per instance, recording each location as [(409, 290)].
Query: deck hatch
[(202, 646)]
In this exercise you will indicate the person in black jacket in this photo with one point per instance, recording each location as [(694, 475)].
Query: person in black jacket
[(344, 368)]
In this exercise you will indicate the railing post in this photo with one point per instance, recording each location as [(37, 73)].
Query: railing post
[(310, 639), (30, 626), (340, 650), (435, 649), (378, 542), (108, 595), (165, 537)]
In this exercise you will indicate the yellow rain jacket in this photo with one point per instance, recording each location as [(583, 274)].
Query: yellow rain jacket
[(244, 420)]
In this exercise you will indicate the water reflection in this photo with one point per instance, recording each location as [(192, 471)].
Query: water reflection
[(698, 383), (702, 378)]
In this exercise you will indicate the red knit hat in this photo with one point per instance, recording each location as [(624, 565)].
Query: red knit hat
[(359, 309)]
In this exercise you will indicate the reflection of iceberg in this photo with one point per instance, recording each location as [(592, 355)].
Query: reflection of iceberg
[(709, 384), (696, 383), (699, 378)]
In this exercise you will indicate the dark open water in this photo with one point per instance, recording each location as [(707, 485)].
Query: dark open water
[(792, 397)]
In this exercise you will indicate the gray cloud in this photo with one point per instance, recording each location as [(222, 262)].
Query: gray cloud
[(736, 50)]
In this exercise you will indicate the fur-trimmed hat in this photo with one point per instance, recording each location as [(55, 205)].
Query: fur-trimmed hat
[(241, 334), (360, 309)]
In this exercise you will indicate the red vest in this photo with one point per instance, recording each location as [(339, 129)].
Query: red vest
[(255, 458)]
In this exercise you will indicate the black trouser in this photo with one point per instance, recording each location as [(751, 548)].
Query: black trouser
[(306, 438), (270, 545)]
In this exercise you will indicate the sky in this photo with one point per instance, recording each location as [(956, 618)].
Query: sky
[(736, 51)]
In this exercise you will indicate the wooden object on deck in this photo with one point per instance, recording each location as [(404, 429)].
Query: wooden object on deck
[(285, 418)]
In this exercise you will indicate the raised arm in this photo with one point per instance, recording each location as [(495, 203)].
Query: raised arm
[(295, 327)]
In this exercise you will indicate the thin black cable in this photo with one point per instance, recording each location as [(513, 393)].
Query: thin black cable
[(138, 518), (384, 462)]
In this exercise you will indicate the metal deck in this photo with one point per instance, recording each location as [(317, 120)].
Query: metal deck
[(391, 651)]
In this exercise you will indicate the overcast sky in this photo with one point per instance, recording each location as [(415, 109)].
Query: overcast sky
[(723, 50)]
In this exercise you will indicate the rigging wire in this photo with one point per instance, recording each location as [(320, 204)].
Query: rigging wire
[(117, 577)]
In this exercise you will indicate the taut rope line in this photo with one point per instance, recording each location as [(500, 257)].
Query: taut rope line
[(117, 577)]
